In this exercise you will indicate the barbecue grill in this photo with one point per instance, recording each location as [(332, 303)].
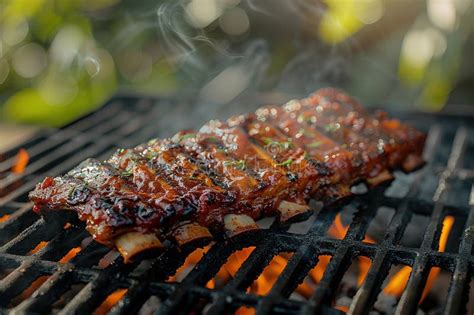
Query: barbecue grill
[(52, 265)]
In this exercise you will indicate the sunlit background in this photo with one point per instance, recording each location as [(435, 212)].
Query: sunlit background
[(62, 58)]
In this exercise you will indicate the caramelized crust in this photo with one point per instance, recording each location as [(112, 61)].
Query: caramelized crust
[(228, 174)]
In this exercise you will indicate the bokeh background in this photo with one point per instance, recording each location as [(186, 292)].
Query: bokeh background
[(62, 58)]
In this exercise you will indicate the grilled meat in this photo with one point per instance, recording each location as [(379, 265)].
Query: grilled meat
[(228, 174)]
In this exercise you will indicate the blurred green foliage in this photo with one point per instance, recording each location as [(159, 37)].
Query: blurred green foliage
[(52, 66), (54, 69), (62, 58)]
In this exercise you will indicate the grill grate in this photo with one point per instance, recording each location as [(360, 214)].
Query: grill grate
[(80, 285)]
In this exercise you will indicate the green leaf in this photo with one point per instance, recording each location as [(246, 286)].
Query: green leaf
[(240, 164), (185, 136), (212, 139), (285, 163), (314, 144), (331, 127)]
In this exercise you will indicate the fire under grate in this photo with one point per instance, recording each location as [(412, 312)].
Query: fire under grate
[(52, 265)]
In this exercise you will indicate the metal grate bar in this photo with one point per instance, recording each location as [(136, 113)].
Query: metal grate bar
[(416, 282), (18, 221), (40, 230), (16, 282), (119, 125), (134, 298), (72, 143), (124, 126), (87, 300), (367, 294), (457, 294), (50, 290)]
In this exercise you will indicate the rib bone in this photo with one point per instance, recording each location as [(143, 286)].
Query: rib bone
[(239, 223), (382, 177), (290, 210), (133, 243), (191, 232)]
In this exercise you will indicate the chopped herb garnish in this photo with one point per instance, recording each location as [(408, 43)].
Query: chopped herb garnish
[(331, 127), (314, 144), (268, 140), (194, 177), (287, 144), (127, 173), (285, 163), (271, 142), (153, 141), (185, 136), (212, 139), (306, 133), (240, 164), (151, 154)]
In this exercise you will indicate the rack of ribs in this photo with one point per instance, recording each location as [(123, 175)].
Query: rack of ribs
[(222, 178)]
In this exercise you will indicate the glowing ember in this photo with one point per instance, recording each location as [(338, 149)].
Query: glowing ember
[(190, 261), (244, 310), (364, 266), (110, 301), (263, 284), (38, 247), (345, 309), (306, 288), (447, 225), (229, 269), (29, 291), (4, 217), (21, 160), (337, 229), (398, 282), (318, 271), (70, 255), (268, 277)]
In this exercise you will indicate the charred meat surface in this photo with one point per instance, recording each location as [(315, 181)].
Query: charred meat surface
[(230, 173)]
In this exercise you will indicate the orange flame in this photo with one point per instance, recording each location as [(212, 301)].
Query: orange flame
[(245, 310), (21, 160), (70, 255), (4, 217), (398, 282), (110, 301), (38, 247), (364, 266), (263, 284), (190, 261), (337, 229), (30, 290), (268, 277), (443, 240), (230, 268), (343, 308)]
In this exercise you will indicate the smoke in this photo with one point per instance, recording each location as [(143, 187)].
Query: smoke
[(178, 43), (221, 67), (246, 72)]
